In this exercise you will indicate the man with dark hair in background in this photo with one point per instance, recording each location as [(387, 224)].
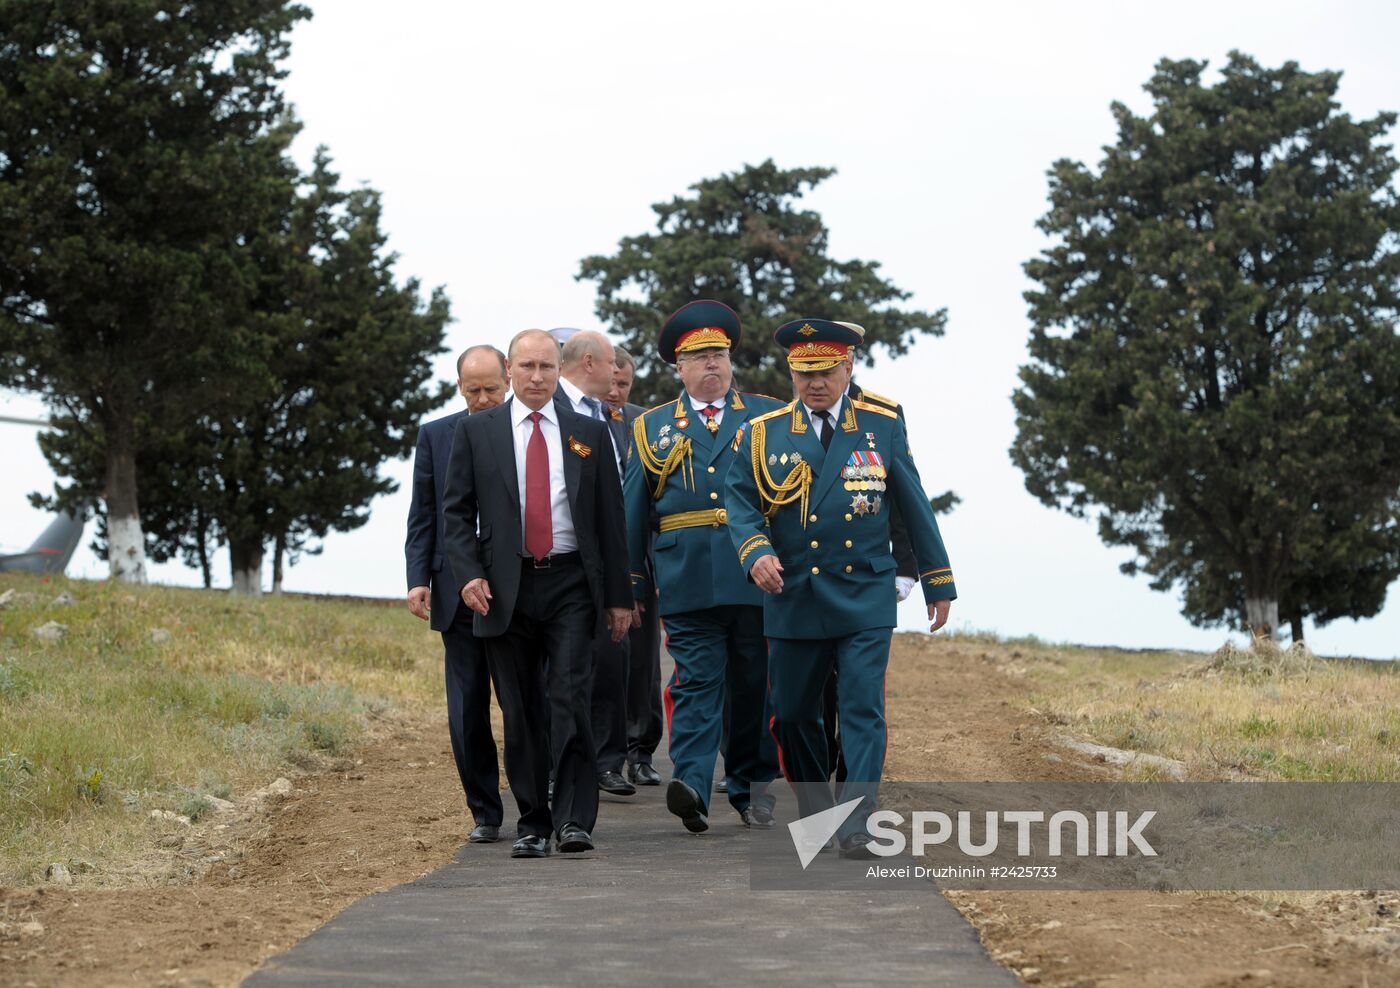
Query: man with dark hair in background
[(432, 594)]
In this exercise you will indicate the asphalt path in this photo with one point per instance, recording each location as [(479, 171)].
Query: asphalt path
[(651, 905)]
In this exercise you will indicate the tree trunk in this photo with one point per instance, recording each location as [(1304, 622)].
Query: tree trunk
[(1261, 614), (1296, 624), (202, 534), (126, 543), (245, 559), (278, 551)]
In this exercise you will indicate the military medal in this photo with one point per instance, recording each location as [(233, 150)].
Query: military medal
[(860, 504), (683, 423), (663, 430), (664, 441), (875, 505), (870, 439), (772, 459), (783, 459), (796, 458)]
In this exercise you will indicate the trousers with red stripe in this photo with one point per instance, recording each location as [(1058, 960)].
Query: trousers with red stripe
[(719, 651), (798, 670)]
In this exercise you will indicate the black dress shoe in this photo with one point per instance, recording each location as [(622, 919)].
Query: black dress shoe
[(758, 816), (857, 846), (573, 839), (614, 783), (643, 774), (530, 846), (485, 833), (685, 803)]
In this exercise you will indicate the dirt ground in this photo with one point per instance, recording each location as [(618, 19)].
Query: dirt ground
[(249, 883)]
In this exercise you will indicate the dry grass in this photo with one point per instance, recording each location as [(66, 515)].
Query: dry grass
[(100, 728), (1257, 713)]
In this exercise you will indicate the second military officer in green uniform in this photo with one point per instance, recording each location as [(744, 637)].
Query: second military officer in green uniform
[(680, 454), (808, 504)]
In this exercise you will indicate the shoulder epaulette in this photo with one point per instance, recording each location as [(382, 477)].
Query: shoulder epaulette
[(878, 399), (775, 413), (866, 406)]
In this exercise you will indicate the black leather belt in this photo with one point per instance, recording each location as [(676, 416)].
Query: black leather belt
[(549, 562)]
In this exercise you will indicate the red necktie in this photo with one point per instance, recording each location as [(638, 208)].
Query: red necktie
[(539, 522)]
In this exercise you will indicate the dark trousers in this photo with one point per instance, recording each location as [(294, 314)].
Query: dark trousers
[(469, 718), (717, 651), (542, 667), (830, 724), (798, 670), (610, 662), (645, 719)]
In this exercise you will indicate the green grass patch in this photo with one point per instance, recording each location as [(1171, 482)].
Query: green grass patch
[(99, 728)]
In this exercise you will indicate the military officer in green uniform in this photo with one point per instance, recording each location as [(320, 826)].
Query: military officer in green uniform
[(713, 617), (808, 502)]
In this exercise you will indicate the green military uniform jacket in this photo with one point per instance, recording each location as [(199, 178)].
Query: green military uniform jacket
[(825, 514), (678, 468)]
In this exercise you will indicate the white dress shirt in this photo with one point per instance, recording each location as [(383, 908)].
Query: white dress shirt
[(576, 401), (719, 403), (522, 429), (817, 425)]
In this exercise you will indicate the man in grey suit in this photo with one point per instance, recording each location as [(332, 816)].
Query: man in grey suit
[(645, 722), (535, 538)]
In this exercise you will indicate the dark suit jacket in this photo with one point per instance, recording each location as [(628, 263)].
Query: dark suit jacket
[(425, 547), (482, 483)]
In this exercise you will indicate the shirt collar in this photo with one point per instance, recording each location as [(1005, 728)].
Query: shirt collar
[(834, 411), (519, 412), (697, 404), (574, 392)]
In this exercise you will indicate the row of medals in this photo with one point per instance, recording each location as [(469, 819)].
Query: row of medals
[(860, 478)]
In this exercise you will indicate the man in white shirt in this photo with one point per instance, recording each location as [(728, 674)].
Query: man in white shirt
[(586, 375), (534, 530)]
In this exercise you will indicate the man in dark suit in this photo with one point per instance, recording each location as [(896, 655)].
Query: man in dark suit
[(535, 539), (645, 719), (432, 595), (585, 377)]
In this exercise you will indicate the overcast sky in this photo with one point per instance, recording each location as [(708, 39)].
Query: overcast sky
[(509, 141)]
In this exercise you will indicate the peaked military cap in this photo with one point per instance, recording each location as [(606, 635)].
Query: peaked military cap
[(816, 344), (698, 325), (562, 334), (855, 327)]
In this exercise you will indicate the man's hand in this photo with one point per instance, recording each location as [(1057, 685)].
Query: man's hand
[(420, 602), (938, 614), (477, 596), (619, 620), (636, 615), (767, 574)]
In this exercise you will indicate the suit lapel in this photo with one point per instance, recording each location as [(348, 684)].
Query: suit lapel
[(803, 439), (734, 413), (573, 463), (503, 445), (692, 423), (843, 443)]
